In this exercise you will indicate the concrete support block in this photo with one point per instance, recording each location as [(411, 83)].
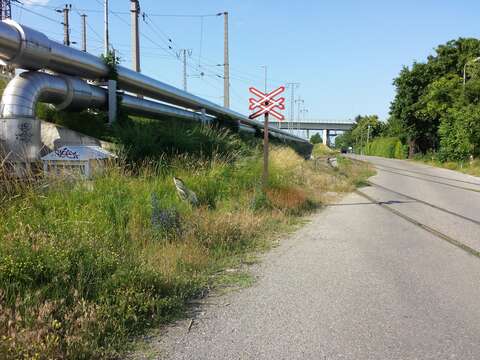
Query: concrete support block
[(20, 139)]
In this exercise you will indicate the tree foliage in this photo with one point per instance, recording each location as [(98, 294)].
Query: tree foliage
[(316, 139), (432, 109), (365, 127)]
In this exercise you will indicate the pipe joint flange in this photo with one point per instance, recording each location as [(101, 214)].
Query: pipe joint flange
[(69, 95)]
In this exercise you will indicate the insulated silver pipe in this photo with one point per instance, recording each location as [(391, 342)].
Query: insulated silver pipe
[(29, 49), (25, 90), (138, 106), (20, 133)]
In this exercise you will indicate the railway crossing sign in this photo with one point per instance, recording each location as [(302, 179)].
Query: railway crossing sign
[(267, 103)]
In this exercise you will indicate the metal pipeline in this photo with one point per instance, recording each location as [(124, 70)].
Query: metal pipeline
[(20, 132), (29, 49), (137, 106), (25, 90)]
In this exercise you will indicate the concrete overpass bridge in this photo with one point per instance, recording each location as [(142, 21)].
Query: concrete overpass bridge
[(325, 126)]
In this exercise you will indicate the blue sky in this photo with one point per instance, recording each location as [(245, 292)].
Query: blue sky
[(344, 53)]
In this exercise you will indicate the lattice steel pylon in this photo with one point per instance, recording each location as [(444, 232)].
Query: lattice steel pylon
[(6, 9), (6, 13)]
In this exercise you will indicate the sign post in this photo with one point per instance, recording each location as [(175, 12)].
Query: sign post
[(266, 104), (265, 151)]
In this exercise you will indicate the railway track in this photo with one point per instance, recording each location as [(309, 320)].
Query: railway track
[(430, 175), (428, 180), (423, 226)]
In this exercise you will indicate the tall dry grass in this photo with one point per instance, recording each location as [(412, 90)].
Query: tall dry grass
[(85, 265)]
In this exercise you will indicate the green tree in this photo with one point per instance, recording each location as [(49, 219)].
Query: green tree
[(316, 139), (410, 86), (427, 92), (365, 126)]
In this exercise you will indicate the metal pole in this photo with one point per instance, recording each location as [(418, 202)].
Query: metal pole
[(184, 69), (84, 32), (106, 35), (265, 152), (183, 54), (361, 143), (66, 25), (292, 86), (226, 66), (266, 81), (135, 10), (300, 102), (368, 136)]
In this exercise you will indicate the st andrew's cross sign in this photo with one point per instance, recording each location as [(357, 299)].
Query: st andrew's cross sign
[(267, 103)]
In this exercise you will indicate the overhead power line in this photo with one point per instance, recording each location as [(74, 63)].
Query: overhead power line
[(36, 13)]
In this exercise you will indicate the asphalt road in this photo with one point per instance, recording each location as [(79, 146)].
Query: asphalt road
[(359, 281)]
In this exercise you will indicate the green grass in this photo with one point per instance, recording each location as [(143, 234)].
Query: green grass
[(84, 266), (467, 167), (87, 266)]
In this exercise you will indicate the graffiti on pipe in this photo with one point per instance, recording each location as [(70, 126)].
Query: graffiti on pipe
[(25, 133)]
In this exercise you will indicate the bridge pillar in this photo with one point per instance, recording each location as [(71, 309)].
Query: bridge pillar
[(325, 137), (308, 134)]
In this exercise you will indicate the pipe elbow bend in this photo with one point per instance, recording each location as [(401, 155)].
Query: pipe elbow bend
[(25, 90), (34, 51)]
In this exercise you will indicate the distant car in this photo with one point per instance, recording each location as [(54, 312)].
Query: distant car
[(343, 150)]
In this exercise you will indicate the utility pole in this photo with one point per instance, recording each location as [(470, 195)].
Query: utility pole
[(183, 53), (292, 86), (84, 32), (106, 34), (135, 10), (265, 151), (304, 118), (266, 85), (6, 13), (226, 67), (368, 136), (66, 24), (300, 102)]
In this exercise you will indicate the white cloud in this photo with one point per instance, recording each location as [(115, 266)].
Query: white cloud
[(35, 2)]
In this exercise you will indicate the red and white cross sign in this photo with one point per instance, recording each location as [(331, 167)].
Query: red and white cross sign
[(267, 103)]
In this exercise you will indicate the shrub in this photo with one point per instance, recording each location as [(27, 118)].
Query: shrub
[(390, 147)]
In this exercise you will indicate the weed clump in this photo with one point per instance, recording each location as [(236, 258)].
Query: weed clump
[(83, 267)]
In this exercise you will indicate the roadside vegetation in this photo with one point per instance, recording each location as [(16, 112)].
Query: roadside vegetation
[(87, 265), (320, 150), (468, 167), (434, 116)]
